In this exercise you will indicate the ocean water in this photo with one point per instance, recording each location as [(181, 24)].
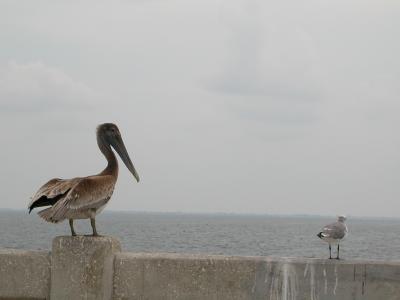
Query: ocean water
[(291, 236)]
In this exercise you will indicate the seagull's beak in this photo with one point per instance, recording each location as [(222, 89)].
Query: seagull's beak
[(118, 144)]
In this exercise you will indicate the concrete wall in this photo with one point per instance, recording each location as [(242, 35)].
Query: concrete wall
[(94, 268), (24, 274), (176, 276)]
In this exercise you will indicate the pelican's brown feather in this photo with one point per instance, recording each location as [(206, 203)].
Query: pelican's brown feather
[(52, 191), (90, 193), (53, 188)]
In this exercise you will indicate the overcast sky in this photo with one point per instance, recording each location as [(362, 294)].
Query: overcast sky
[(238, 106)]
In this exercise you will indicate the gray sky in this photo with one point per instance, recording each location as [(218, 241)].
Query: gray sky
[(224, 105)]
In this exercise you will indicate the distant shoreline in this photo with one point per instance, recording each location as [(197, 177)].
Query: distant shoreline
[(227, 214)]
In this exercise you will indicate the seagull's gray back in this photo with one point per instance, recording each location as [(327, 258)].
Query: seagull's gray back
[(335, 230)]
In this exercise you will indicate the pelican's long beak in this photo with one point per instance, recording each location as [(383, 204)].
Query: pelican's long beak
[(118, 145)]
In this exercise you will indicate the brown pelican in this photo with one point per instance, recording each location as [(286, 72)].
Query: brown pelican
[(84, 197)]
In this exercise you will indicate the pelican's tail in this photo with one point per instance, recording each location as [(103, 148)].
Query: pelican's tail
[(47, 215), (321, 235)]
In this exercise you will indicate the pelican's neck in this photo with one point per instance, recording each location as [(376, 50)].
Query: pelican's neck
[(112, 163)]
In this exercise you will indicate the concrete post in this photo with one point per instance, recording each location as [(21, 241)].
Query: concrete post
[(82, 267)]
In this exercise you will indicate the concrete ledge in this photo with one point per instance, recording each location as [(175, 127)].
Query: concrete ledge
[(94, 268), (24, 274), (173, 276)]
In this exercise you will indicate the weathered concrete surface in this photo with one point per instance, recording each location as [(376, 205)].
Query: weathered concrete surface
[(176, 276), (82, 267), (94, 268), (24, 274)]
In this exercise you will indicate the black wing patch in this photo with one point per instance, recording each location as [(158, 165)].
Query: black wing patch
[(44, 201)]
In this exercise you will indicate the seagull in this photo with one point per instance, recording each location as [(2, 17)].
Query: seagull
[(334, 233), (84, 197)]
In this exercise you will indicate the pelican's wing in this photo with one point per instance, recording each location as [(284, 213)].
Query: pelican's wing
[(51, 192), (90, 192)]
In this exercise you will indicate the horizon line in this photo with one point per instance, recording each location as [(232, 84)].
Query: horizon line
[(228, 213)]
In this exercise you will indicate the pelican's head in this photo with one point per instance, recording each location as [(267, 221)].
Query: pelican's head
[(341, 218), (109, 132)]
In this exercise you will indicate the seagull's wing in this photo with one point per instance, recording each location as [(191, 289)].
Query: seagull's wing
[(335, 231)]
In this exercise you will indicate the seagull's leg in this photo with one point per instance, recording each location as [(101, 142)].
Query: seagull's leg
[(71, 224), (330, 251), (337, 257), (93, 223)]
